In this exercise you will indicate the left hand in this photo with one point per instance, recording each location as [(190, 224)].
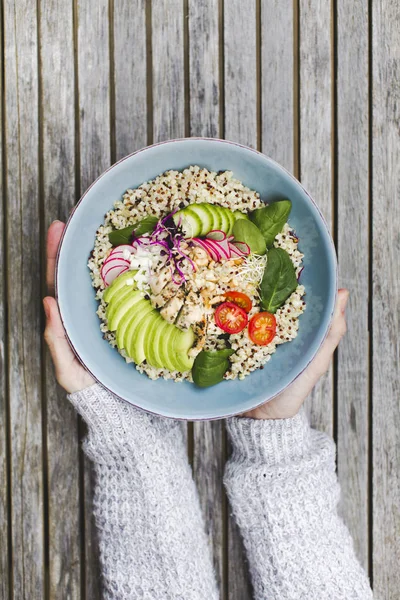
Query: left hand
[(70, 374)]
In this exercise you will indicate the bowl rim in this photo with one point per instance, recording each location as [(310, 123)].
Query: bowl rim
[(221, 141)]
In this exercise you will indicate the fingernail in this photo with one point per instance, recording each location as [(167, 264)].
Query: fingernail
[(46, 308), (56, 221)]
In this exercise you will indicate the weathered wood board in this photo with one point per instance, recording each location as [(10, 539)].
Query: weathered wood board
[(385, 291), (21, 187), (316, 148), (94, 125), (352, 206)]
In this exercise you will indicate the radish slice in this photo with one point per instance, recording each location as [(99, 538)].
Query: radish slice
[(108, 268), (219, 249), (115, 260), (112, 264), (242, 246), (205, 244), (217, 235), (113, 273), (121, 249), (235, 252), (212, 251), (200, 243), (224, 245)]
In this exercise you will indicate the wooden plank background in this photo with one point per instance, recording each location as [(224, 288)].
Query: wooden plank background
[(315, 85)]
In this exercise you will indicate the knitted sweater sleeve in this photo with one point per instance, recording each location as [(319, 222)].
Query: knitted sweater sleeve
[(283, 491), (151, 536)]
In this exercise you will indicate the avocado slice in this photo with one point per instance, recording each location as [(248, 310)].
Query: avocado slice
[(136, 351), (149, 345), (156, 339), (123, 326), (116, 299), (118, 283), (143, 309), (181, 343), (118, 311), (167, 358)]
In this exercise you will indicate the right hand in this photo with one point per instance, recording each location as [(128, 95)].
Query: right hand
[(288, 403), (70, 374)]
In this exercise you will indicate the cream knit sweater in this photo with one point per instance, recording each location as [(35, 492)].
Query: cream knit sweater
[(283, 491)]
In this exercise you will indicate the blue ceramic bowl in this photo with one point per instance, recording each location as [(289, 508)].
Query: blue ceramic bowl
[(78, 306)]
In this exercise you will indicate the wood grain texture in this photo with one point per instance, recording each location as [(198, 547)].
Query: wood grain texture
[(58, 194), (208, 470), (240, 71), (277, 81), (4, 525), (130, 70), (208, 438), (94, 132), (204, 68), (240, 76), (386, 297), (23, 297), (168, 70), (316, 149), (353, 227)]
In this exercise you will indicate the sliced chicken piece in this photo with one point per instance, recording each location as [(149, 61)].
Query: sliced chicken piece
[(160, 280), (171, 309), (200, 330), (168, 292), (192, 311)]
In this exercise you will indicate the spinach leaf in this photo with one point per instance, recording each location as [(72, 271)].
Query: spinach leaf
[(210, 366), (246, 231), (124, 236), (271, 219), (279, 280), (146, 225)]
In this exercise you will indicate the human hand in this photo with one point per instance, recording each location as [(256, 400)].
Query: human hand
[(288, 403), (70, 374)]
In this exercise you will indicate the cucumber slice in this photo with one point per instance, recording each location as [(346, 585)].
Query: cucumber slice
[(232, 221), (239, 215), (224, 219), (191, 223), (205, 215), (217, 218)]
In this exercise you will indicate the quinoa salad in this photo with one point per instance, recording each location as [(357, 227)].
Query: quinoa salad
[(197, 278)]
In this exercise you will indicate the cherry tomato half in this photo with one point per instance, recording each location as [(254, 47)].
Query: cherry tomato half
[(240, 299), (262, 328), (230, 317)]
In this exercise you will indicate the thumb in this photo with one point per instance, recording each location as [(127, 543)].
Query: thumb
[(54, 334)]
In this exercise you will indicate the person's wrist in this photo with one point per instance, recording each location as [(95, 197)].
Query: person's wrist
[(277, 408)]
